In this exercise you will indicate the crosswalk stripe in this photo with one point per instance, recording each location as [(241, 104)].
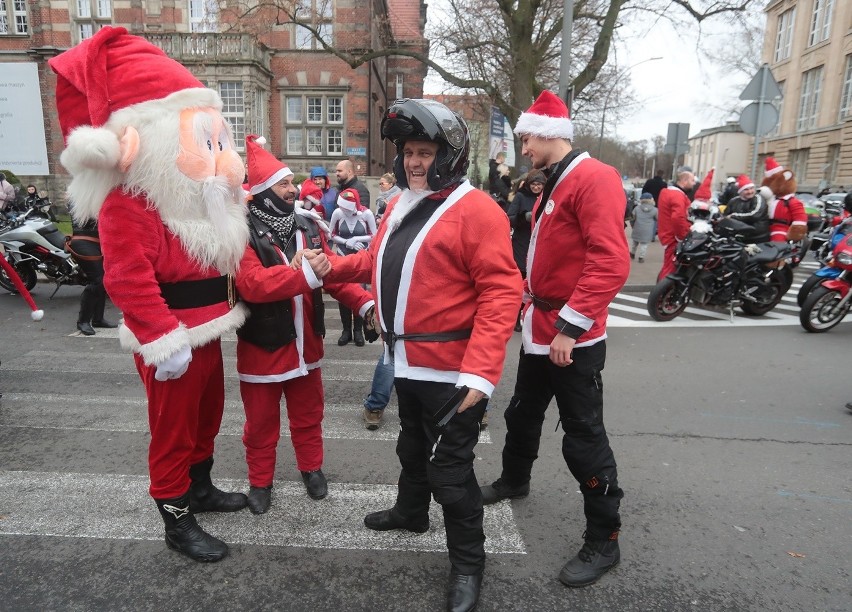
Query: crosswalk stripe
[(117, 506), (129, 414)]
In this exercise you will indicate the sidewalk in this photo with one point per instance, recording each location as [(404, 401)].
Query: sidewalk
[(643, 276)]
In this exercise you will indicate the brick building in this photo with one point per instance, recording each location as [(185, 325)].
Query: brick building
[(275, 79), (808, 46)]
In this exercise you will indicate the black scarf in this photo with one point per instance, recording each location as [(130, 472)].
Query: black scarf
[(276, 213)]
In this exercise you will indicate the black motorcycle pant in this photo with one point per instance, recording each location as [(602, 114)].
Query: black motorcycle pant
[(578, 389), (93, 298), (438, 461)]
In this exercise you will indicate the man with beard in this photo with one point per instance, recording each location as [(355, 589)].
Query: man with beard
[(152, 160), (447, 290), (346, 179), (280, 347), (578, 261)]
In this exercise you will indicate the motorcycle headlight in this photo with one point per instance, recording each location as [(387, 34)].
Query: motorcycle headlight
[(844, 259)]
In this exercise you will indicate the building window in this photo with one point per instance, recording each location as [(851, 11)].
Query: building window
[(259, 111), (399, 94), (799, 163), (832, 163), (809, 102), (13, 17), (234, 110), (846, 95), (784, 35), (820, 21), (203, 16), (778, 103), (318, 14), (309, 119), (91, 16)]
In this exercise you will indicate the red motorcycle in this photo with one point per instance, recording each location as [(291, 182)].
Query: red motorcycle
[(829, 303)]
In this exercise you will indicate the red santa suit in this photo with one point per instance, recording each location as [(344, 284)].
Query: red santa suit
[(574, 269), (672, 205), (290, 365), (438, 295), (784, 213)]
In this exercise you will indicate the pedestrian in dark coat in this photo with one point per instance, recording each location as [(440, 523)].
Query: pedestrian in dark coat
[(655, 185)]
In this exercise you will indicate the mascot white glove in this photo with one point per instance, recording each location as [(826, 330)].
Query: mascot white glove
[(353, 243), (174, 366)]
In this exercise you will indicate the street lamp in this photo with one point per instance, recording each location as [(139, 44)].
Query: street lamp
[(609, 93)]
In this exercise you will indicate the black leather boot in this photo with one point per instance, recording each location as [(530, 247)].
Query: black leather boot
[(358, 331), (463, 592), (499, 490), (346, 320), (315, 484), (595, 559), (259, 499), (205, 497), (183, 533), (85, 328), (386, 520), (98, 319), (87, 311)]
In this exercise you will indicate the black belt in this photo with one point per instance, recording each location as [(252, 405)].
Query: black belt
[(390, 338), (198, 293), (547, 305)]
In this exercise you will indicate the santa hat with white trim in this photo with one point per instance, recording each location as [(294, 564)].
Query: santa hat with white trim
[(772, 167), (548, 117), (264, 169), (743, 182), (704, 193)]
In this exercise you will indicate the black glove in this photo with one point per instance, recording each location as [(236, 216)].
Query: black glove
[(371, 334)]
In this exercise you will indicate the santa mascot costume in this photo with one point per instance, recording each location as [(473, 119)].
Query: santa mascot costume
[(153, 161), (788, 219)]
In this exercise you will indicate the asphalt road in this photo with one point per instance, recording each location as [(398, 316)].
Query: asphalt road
[(733, 447)]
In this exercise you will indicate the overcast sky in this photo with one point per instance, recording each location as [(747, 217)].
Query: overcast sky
[(678, 88)]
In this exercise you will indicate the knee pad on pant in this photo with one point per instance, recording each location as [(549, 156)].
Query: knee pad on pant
[(460, 500), (450, 485), (513, 412), (602, 485)]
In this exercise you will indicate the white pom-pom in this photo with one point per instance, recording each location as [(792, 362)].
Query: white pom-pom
[(37, 315), (88, 147), (260, 140)]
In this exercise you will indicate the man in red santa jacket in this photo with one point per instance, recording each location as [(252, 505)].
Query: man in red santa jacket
[(447, 292), (281, 345), (153, 162), (672, 207), (577, 262)]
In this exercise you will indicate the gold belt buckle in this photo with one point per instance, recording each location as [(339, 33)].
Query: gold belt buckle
[(232, 291)]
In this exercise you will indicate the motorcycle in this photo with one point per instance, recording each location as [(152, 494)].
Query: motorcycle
[(717, 269), (823, 255), (31, 245), (829, 303)]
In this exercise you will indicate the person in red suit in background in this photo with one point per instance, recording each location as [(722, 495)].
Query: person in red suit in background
[(672, 207), (788, 219), (280, 348), (152, 160)]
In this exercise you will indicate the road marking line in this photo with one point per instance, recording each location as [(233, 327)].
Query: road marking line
[(117, 506)]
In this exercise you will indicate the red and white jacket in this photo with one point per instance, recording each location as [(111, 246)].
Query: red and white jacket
[(140, 252), (258, 284), (784, 213), (672, 214), (578, 254), (458, 274)]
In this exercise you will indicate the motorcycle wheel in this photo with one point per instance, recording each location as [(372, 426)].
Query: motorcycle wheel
[(806, 288), (786, 274), (777, 283), (27, 274), (664, 301), (820, 312)]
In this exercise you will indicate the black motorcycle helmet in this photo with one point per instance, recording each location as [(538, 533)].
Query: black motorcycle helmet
[(847, 202), (409, 119)]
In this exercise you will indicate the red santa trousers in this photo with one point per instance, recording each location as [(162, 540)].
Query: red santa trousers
[(669, 263), (262, 403), (184, 416)]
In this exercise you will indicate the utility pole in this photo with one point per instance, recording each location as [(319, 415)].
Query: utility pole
[(565, 62)]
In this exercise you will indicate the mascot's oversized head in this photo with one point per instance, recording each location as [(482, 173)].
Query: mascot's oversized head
[(134, 118)]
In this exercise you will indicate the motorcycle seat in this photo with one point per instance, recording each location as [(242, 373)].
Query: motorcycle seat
[(770, 251)]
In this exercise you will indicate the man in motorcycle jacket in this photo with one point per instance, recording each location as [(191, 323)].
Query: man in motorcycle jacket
[(750, 207), (153, 162)]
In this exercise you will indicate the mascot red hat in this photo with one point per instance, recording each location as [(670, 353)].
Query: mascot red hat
[(703, 192), (548, 117)]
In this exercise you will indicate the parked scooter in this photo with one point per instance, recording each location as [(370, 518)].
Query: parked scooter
[(717, 269), (32, 245), (829, 303)]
